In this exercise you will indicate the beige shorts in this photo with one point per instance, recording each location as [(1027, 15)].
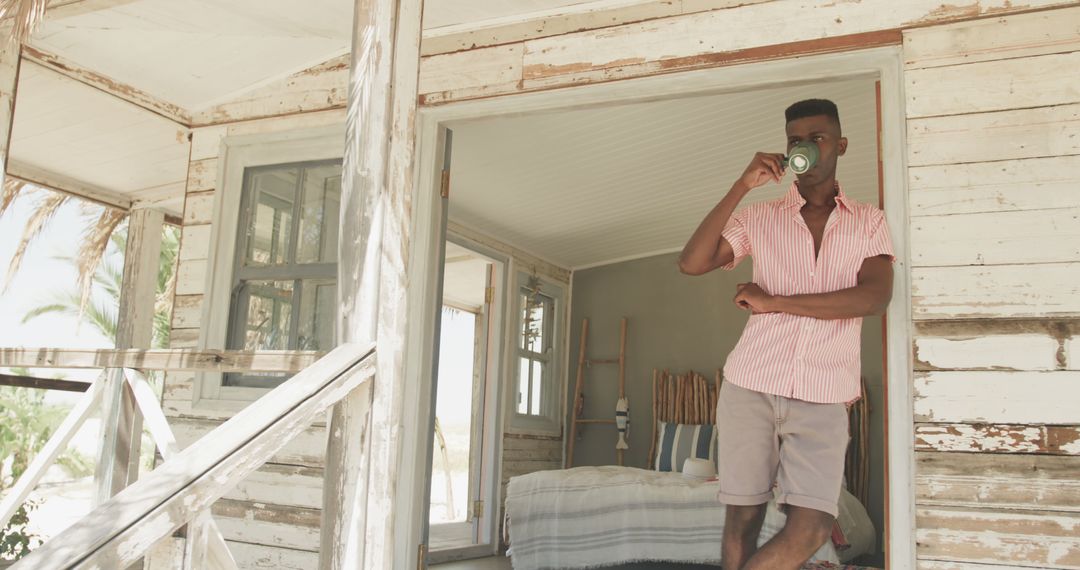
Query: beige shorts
[(764, 439)]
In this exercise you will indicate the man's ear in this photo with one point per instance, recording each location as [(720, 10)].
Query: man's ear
[(842, 147)]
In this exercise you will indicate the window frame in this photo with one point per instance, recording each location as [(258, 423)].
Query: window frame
[(548, 422), (237, 155), (290, 270)]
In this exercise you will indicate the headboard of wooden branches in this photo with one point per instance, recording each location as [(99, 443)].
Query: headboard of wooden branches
[(690, 398), (682, 399)]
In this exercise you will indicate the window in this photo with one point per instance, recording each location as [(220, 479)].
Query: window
[(284, 291), (536, 368), (534, 351)]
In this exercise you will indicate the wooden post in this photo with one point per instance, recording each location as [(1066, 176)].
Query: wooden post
[(362, 526), (9, 81), (121, 426)]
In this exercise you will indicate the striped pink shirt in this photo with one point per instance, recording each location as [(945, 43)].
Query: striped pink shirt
[(805, 358)]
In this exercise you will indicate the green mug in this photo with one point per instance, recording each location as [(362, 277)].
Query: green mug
[(802, 157)]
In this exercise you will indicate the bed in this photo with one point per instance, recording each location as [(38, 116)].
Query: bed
[(588, 517)]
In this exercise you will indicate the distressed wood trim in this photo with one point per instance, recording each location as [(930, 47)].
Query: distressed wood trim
[(377, 525), (998, 438), (123, 91), (60, 183), (120, 531), (161, 359), (1028, 538), (997, 397), (982, 480), (538, 76)]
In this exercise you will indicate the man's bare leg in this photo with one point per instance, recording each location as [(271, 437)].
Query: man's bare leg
[(742, 526), (805, 531)]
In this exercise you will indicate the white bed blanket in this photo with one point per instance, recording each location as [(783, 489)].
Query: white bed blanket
[(588, 517)]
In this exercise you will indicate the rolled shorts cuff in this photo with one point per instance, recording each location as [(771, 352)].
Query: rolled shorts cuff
[(744, 500), (809, 503)]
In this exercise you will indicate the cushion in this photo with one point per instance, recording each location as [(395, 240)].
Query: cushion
[(676, 442)]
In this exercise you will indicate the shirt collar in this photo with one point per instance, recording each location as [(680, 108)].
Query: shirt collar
[(794, 199)]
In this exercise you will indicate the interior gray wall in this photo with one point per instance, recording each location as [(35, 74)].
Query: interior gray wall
[(680, 323)]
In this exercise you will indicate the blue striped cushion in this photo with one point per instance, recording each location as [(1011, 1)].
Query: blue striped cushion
[(676, 442)]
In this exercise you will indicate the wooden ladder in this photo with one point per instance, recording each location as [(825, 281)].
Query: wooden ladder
[(579, 395)]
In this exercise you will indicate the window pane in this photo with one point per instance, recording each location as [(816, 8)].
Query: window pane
[(272, 198), (537, 384), (319, 214), (534, 321), (318, 311), (523, 386), (269, 313)]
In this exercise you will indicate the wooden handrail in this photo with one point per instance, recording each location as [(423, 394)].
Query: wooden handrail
[(121, 530), (162, 359), (59, 384)]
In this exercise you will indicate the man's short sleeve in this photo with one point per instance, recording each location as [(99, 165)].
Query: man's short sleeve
[(879, 242), (737, 234)]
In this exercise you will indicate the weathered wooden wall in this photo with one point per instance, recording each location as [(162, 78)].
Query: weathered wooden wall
[(993, 111), (993, 107), (271, 520)]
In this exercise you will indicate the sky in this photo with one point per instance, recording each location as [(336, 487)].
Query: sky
[(41, 276)]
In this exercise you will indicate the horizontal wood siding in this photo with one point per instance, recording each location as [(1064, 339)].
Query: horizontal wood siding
[(271, 518), (993, 111)]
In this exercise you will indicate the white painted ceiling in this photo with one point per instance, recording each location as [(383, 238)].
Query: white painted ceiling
[(65, 127), (195, 53), (190, 53), (588, 187)]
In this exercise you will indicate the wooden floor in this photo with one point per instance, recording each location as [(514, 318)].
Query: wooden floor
[(503, 563)]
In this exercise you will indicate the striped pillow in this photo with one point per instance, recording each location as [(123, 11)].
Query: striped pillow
[(676, 442)]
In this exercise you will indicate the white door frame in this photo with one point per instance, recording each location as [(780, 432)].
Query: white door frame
[(491, 432), (884, 64)]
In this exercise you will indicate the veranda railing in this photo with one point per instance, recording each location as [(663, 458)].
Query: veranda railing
[(180, 491)]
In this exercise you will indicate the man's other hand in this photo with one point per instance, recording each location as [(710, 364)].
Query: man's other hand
[(751, 297)]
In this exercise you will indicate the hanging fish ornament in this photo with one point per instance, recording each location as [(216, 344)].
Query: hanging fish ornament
[(622, 422)]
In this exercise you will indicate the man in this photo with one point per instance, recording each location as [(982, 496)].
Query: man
[(821, 262)]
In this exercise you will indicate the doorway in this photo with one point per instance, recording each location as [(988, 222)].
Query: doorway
[(877, 64), (464, 409)]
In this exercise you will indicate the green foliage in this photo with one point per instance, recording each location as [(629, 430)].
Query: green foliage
[(26, 422), (102, 313)]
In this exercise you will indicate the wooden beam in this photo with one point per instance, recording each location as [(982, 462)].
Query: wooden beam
[(376, 526), (60, 183), (129, 93), (118, 532), (121, 426), (43, 178), (43, 383), (175, 360), (9, 83)]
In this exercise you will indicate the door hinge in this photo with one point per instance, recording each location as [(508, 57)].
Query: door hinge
[(444, 185), (478, 509), (421, 557), (489, 295)]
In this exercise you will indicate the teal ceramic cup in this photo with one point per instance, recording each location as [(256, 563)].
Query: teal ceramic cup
[(802, 157)]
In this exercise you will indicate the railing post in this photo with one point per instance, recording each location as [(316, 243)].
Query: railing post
[(118, 460), (360, 523)]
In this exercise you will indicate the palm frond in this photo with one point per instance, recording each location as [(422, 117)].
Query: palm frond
[(93, 248), (28, 16), (42, 214), (9, 192)]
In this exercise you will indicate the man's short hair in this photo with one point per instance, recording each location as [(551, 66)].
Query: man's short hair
[(812, 108)]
